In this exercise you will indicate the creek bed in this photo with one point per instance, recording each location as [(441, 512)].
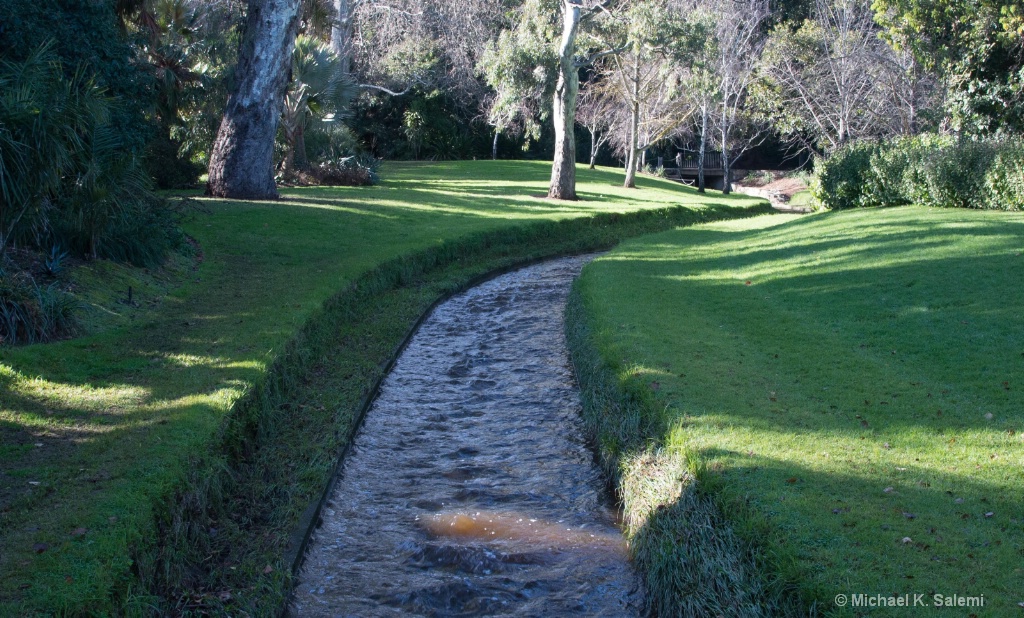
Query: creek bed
[(470, 489)]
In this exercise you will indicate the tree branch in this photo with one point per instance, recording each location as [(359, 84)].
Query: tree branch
[(386, 90)]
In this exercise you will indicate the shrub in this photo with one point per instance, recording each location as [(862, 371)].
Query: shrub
[(67, 175), (168, 169), (32, 314), (897, 170), (841, 178), (1004, 181), (954, 175), (932, 170), (354, 171)]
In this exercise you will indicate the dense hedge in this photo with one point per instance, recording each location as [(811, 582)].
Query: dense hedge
[(931, 170)]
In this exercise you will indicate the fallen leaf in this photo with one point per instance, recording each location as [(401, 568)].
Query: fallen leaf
[(79, 532), (909, 515), (907, 539), (40, 547), (791, 480), (655, 386), (749, 282), (888, 490), (268, 570), (886, 446), (989, 514), (224, 595)]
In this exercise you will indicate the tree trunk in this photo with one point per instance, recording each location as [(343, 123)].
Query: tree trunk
[(242, 160), (593, 148), (703, 148), (727, 173), (563, 169), (634, 130), (341, 35), (301, 160), (494, 146)]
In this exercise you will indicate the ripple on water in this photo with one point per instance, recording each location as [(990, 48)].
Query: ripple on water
[(470, 490)]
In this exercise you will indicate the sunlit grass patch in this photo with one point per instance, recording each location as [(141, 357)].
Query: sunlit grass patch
[(854, 378)]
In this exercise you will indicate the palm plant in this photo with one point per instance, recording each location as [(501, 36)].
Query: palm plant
[(319, 89), (45, 119)]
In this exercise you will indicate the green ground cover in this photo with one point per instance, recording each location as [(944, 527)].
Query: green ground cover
[(803, 199), (160, 462), (845, 387)]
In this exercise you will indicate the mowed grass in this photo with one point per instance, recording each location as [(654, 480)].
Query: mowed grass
[(854, 380), (97, 434)]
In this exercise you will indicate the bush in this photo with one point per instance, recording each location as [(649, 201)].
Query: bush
[(841, 178), (1004, 181), (32, 314), (931, 170), (897, 174), (355, 171), (167, 168), (954, 175), (67, 176)]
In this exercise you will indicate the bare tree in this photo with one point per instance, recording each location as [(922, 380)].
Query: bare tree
[(242, 161), (835, 79), (595, 114), (639, 76), (391, 45), (739, 42), (649, 89)]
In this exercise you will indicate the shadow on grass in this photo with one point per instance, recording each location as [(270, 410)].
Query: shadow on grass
[(845, 399)]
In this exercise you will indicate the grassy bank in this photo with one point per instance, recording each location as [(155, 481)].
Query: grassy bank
[(844, 387), (164, 461)]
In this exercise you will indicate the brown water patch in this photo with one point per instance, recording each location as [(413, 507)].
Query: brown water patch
[(522, 531)]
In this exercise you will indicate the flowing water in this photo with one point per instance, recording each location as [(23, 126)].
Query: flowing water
[(470, 490)]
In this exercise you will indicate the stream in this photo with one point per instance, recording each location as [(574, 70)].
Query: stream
[(470, 489)]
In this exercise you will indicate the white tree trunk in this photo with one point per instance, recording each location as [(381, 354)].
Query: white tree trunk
[(703, 147), (242, 160), (341, 35), (634, 129), (563, 169), (727, 173)]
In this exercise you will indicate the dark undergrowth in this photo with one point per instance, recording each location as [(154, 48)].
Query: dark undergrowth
[(694, 561), (229, 537)]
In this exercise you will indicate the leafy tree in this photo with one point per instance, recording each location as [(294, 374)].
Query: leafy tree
[(977, 49), (541, 53), (67, 177)]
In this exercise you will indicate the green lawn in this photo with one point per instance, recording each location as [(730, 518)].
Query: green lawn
[(99, 435), (854, 378)]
